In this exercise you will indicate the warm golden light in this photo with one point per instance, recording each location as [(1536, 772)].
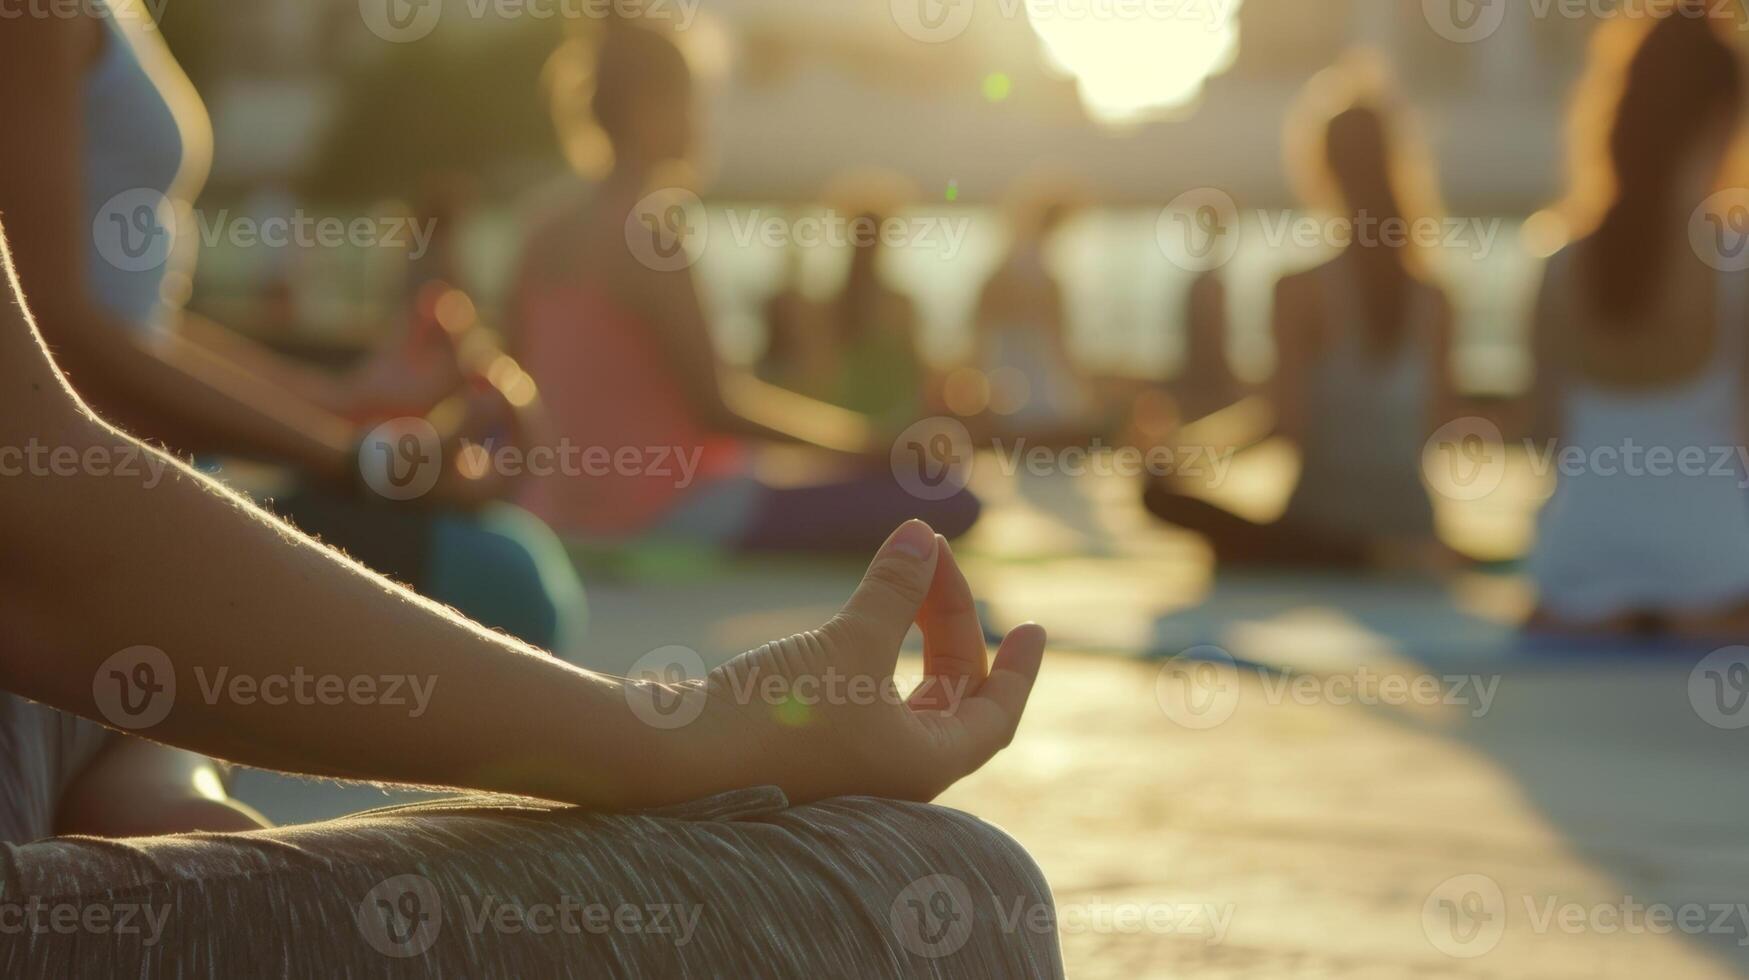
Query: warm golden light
[(474, 462), (967, 392), (1134, 60), (455, 312), (1544, 234)]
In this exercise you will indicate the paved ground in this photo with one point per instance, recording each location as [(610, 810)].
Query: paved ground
[(1321, 840), (1306, 835)]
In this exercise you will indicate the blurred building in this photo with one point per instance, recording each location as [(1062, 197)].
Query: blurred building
[(801, 89)]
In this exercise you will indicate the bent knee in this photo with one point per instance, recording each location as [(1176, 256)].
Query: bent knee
[(966, 896), (981, 849), (499, 574)]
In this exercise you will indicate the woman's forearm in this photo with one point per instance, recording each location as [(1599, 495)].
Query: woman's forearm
[(286, 656)]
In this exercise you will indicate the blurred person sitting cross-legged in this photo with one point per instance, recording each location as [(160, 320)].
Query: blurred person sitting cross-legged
[(609, 322), (1363, 356), (1038, 390), (871, 326), (1205, 383), (1640, 343)]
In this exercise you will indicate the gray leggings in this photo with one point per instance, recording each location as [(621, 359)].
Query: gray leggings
[(737, 885)]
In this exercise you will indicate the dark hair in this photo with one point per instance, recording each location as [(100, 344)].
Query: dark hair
[(1682, 87), (1358, 155), (1351, 147), (631, 61), (595, 81)]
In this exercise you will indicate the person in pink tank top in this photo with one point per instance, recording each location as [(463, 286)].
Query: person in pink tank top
[(652, 436)]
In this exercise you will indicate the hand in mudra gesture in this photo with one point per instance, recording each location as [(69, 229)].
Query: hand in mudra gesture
[(820, 715)]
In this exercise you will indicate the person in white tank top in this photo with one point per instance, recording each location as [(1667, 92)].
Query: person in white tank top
[(1667, 537), (1641, 360)]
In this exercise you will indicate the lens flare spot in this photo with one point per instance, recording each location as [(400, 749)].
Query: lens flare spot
[(474, 462), (792, 713), (967, 392), (455, 312), (998, 86)]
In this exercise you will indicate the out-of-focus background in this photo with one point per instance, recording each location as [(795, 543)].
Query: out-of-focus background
[(314, 111)]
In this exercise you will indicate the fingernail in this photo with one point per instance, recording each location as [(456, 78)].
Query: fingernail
[(915, 540)]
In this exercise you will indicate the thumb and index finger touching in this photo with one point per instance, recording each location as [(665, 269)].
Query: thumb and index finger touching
[(915, 579)]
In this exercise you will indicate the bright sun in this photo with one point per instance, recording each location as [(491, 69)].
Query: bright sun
[(1133, 59)]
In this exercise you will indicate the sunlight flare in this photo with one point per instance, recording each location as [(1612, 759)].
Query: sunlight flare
[(1134, 60)]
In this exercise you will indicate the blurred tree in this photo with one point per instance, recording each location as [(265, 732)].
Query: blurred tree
[(468, 103)]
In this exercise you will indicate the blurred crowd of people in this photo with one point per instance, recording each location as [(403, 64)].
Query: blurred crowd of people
[(606, 349), (1633, 344)]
